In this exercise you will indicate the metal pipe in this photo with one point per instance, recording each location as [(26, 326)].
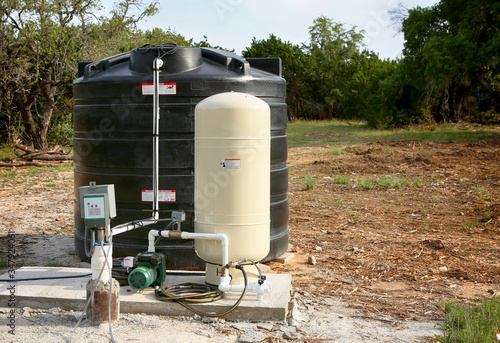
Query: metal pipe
[(157, 64)]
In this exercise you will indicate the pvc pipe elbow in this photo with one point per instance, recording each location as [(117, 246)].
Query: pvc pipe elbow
[(151, 239), (224, 285)]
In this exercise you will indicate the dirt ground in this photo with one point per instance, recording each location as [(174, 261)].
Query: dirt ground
[(394, 227), (397, 249)]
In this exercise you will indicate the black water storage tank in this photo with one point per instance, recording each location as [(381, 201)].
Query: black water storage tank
[(113, 137)]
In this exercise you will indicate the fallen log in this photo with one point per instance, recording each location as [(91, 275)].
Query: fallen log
[(23, 147), (52, 157)]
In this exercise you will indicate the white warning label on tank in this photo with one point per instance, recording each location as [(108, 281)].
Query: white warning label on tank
[(230, 163), (164, 195), (164, 88)]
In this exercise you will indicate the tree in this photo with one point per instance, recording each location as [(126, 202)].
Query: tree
[(294, 66), (41, 43), (451, 57), (331, 48)]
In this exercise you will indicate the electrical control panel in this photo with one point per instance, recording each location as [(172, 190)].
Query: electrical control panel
[(97, 204)]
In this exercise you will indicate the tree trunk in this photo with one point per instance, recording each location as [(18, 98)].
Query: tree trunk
[(38, 131)]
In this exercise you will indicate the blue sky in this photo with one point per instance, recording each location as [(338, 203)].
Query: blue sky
[(233, 23)]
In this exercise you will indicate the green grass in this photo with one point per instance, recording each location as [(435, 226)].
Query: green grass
[(471, 324), (60, 167), (382, 182), (334, 133), (309, 182), (6, 152), (333, 152), (6, 175), (342, 179)]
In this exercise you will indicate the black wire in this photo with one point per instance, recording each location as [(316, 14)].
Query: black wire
[(168, 49), (165, 49), (46, 278), (87, 252)]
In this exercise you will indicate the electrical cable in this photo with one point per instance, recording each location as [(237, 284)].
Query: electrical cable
[(86, 305), (243, 262), (88, 253), (46, 278), (110, 286), (172, 293), (167, 49)]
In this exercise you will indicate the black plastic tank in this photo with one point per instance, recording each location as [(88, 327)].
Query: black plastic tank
[(113, 116)]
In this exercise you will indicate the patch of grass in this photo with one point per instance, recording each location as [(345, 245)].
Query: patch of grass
[(333, 152), (342, 179), (471, 225), (337, 203), (6, 152), (321, 204), (60, 167), (309, 182), (336, 132), (417, 182), (482, 196), (383, 182), (466, 323), (7, 175), (323, 132)]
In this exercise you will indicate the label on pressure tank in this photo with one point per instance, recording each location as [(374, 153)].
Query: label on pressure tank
[(164, 195), (230, 163), (164, 88)]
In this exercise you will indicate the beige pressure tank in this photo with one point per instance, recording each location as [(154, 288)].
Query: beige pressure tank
[(232, 180)]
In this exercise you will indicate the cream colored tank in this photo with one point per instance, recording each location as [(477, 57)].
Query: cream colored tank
[(232, 178)]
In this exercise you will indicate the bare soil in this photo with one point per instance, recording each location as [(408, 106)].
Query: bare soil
[(398, 250), (390, 251)]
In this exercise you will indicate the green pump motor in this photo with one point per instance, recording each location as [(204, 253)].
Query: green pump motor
[(150, 271)]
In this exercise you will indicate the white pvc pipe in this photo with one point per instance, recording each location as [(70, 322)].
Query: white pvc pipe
[(252, 287), (132, 225), (224, 280)]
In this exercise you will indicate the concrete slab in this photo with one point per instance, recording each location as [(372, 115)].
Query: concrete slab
[(70, 294), (286, 257)]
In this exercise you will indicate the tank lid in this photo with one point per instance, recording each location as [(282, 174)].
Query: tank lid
[(176, 58)]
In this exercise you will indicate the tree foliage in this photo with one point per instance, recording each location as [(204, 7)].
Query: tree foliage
[(451, 58), (294, 67), (449, 69), (41, 43)]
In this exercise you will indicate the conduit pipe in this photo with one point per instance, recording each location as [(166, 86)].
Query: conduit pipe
[(157, 64), (133, 225)]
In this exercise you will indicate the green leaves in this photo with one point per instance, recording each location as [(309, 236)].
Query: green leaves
[(451, 51)]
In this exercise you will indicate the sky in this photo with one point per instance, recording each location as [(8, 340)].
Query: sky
[(233, 23)]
